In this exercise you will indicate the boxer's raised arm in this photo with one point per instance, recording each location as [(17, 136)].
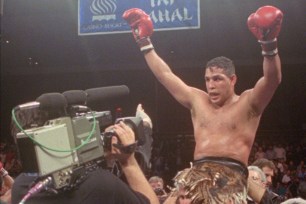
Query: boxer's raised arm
[(265, 24), (142, 28)]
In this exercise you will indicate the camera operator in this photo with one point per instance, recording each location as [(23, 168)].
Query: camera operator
[(101, 186)]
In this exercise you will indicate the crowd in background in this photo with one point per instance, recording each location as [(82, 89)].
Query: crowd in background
[(9, 158), (171, 156)]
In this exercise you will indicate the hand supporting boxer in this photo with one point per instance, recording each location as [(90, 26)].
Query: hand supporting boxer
[(142, 27), (265, 24), (3, 172)]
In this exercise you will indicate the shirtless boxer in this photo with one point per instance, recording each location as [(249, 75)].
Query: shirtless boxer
[(224, 123)]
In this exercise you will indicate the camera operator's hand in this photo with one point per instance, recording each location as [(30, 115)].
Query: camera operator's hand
[(130, 167), (123, 147)]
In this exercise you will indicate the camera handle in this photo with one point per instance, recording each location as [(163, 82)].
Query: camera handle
[(128, 149)]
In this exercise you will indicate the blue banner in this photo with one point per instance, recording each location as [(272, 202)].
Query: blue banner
[(105, 16)]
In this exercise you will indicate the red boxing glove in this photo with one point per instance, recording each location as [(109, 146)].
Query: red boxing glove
[(142, 27), (265, 24)]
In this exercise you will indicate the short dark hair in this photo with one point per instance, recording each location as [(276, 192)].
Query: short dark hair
[(224, 63), (264, 163), (302, 190)]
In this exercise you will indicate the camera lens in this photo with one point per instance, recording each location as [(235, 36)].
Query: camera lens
[(159, 191)]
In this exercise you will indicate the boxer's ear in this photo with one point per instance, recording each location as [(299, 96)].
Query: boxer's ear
[(233, 79)]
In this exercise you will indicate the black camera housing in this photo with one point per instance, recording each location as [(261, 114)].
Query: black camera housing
[(135, 123)]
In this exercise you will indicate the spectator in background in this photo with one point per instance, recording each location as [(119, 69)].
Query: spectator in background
[(158, 162), (300, 153), (6, 185), (256, 192), (260, 153), (286, 177), (301, 174), (300, 166), (268, 167), (257, 176), (270, 154), (281, 189), (280, 152), (280, 168), (290, 152), (291, 166), (157, 183), (293, 187), (301, 199)]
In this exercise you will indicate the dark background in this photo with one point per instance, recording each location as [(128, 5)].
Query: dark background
[(41, 52)]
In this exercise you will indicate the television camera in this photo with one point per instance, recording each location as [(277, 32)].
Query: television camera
[(65, 149)]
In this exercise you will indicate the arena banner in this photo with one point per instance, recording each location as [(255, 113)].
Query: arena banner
[(105, 16)]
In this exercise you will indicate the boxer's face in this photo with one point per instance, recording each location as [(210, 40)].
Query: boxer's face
[(219, 86)]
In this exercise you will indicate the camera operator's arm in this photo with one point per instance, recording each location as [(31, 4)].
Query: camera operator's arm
[(130, 167)]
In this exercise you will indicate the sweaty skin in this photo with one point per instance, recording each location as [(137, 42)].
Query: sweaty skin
[(224, 123)]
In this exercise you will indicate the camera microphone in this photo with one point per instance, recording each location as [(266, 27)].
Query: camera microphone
[(102, 94), (48, 101), (52, 101), (75, 97), (76, 100)]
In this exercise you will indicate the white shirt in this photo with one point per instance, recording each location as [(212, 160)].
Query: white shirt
[(294, 201)]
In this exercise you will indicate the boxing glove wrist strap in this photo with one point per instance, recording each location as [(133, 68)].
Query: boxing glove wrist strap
[(269, 53), (269, 47), (266, 42), (145, 44), (3, 172)]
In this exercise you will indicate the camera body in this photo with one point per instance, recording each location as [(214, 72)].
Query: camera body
[(67, 148), (62, 147)]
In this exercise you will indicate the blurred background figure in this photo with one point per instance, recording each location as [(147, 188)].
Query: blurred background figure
[(301, 199), (6, 186), (257, 176), (268, 168), (157, 183)]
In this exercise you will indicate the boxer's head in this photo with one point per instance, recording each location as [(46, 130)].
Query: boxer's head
[(224, 63), (220, 80)]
